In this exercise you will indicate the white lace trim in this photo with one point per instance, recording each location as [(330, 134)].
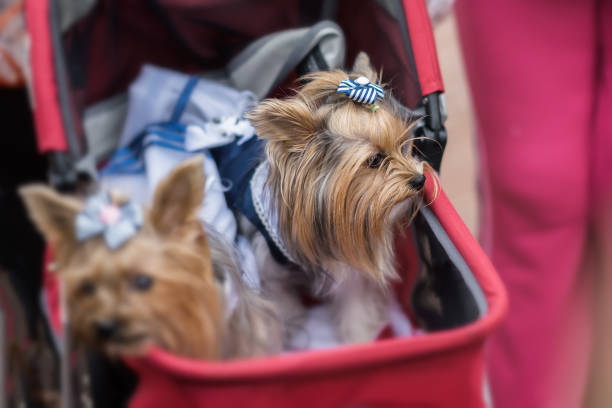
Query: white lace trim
[(263, 208)]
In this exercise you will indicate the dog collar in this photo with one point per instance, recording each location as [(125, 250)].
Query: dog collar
[(265, 210)]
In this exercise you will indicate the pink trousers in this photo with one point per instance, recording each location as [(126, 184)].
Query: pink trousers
[(541, 79)]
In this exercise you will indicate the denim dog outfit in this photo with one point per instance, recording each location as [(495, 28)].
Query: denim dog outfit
[(244, 167)]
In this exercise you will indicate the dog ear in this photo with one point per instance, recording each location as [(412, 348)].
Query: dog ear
[(178, 197), (363, 67), (53, 213), (289, 122)]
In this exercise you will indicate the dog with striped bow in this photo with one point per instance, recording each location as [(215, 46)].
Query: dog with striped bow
[(338, 182), (135, 278)]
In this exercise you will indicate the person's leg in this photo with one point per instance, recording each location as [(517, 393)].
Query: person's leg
[(530, 66)]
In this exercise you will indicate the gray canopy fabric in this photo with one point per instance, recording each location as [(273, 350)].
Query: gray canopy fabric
[(259, 68)]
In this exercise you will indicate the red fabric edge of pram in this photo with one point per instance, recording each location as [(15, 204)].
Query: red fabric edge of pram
[(348, 356), (352, 356), (45, 104), (423, 46)]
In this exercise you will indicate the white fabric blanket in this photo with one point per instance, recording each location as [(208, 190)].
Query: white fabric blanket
[(210, 111)]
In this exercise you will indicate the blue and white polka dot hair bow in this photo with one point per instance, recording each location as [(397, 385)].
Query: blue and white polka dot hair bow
[(361, 90)]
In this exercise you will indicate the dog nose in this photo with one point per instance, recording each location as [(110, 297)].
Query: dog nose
[(105, 329), (417, 182)]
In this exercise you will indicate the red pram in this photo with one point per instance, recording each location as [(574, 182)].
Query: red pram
[(85, 54)]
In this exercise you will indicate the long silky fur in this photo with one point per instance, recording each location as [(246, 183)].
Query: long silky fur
[(253, 327), (327, 207), (184, 310)]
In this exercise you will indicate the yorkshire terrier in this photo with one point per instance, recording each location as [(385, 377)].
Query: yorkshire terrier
[(174, 283), (340, 180)]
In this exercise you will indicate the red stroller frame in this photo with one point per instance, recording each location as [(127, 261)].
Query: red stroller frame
[(92, 52)]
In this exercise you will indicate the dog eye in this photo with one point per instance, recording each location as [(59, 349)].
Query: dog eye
[(141, 282), (375, 160), (87, 288)]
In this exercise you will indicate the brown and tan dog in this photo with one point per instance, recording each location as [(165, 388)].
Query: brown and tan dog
[(341, 181), (166, 286)]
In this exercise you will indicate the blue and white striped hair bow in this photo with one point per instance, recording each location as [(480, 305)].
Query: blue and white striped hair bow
[(361, 90), (101, 216)]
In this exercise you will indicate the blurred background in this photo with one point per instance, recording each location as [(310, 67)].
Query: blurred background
[(459, 175), (459, 165)]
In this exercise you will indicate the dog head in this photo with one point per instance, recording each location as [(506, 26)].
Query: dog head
[(342, 175), (157, 288)]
